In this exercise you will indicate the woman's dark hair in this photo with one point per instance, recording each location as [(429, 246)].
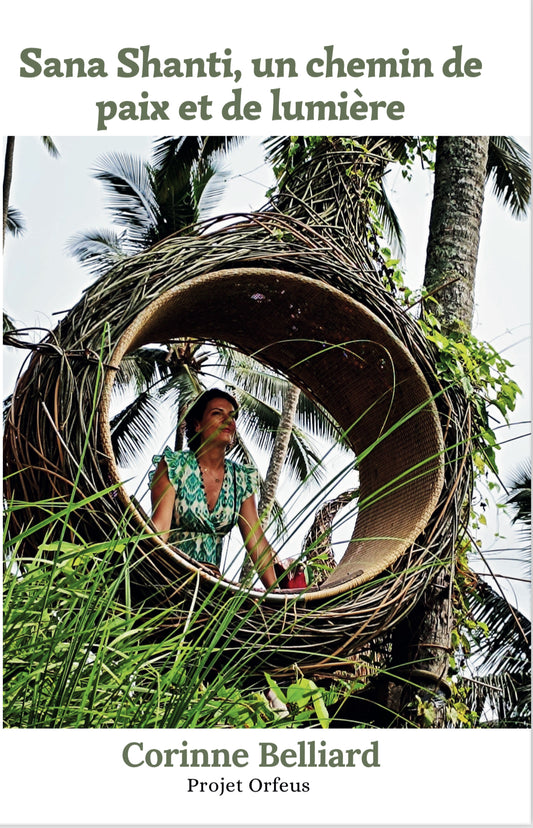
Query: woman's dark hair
[(196, 412)]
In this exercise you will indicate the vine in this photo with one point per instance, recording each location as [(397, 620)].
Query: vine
[(464, 361)]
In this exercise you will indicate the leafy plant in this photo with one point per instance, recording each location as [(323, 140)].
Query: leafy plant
[(77, 653), (303, 701), (483, 375)]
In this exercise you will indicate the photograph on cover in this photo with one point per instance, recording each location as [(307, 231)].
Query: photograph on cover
[(240, 464)]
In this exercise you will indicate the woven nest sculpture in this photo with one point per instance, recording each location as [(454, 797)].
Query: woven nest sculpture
[(285, 294)]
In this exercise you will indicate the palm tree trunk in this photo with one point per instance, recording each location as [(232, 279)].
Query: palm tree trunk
[(8, 177), (424, 640), (454, 229), (279, 452), (277, 460)]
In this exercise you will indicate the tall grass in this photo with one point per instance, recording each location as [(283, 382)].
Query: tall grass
[(79, 654)]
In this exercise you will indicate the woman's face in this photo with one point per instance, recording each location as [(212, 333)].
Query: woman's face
[(217, 425)]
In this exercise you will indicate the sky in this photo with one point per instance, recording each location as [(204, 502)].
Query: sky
[(59, 197)]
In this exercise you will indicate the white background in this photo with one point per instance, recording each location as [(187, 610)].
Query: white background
[(454, 777), (496, 35)]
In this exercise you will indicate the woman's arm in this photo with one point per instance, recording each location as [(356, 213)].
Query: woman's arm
[(255, 542), (163, 496)]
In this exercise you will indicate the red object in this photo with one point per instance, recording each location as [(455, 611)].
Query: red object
[(290, 578)]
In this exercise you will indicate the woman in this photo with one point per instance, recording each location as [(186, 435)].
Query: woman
[(199, 495)]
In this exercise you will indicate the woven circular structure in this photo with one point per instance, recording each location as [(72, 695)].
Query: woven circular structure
[(283, 294)]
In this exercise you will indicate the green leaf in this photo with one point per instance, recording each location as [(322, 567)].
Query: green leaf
[(276, 688)]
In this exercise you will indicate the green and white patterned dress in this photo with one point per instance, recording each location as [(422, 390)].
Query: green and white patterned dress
[(198, 532)]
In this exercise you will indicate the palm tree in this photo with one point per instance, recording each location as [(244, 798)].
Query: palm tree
[(8, 177), (150, 201), (12, 220), (451, 260), (147, 202), (497, 670), (460, 176)]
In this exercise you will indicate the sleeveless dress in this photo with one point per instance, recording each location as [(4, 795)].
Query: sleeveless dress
[(195, 530)]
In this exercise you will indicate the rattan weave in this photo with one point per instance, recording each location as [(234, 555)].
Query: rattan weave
[(283, 293)]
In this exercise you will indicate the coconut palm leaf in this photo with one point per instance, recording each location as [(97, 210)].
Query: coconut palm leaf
[(509, 171), (50, 146), (15, 223), (499, 686), (150, 202), (8, 324), (257, 417), (129, 183), (173, 157), (180, 206), (389, 219), (143, 369), (7, 406), (314, 419), (261, 419), (98, 250), (186, 172), (520, 498), (303, 460), (155, 378), (208, 186), (251, 376), (180, 389), (500, 700), (508, 643), (133, 426)]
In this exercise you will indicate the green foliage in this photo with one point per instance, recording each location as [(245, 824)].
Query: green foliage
[(509, 173), (318, 566), (417, 148), (15, 223), (149, 201), (231, 707), (462, 361), (482, 374), (519, 500), (288, 152), (458, 708), (305, 702), (77, 653)]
